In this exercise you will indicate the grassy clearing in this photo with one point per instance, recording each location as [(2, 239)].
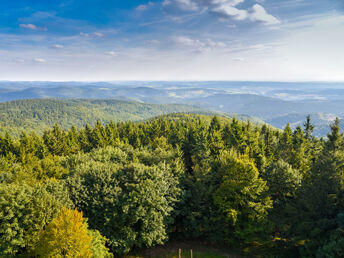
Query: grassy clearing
[(200, 250)]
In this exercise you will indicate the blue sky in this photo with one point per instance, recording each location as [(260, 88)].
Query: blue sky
[(101, 40)]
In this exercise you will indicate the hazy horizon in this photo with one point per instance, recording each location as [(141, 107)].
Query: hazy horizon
[(152, 80)]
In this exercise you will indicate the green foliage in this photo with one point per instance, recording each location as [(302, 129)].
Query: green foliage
[(31, 170), (334, 247), (65, 236), (40, 114), (98, 245), (24, 211), (241, 198), (285, 145), (126, 200), (187, 176), (313, 214), (283, 182)]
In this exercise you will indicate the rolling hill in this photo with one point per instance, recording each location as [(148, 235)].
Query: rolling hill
[(273, 102), (40, 114)]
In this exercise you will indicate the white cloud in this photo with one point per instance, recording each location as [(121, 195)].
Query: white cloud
[(59, 46), (98, 34), (229, 9), (32, 27), (188, 41), (112, 53), (152, 42), (166, 2), (28, 26), (39, 60), (215, 44), (197, 45), (226, 2), (260, 14), (187, 5), (141, 7), (84, 34), (176, 19), (92, 35), (307, 48), (144, 7)]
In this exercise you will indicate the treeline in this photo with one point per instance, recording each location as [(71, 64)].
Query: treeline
[(184, 176)]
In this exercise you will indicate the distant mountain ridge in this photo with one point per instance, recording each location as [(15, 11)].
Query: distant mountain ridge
[(276, 103)]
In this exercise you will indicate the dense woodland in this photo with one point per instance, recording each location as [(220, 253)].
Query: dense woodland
[(105, 190), (40, 114)]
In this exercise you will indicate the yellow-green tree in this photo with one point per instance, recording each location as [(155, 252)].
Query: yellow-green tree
[(66, 236)]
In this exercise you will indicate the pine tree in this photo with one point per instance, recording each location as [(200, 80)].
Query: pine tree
[(313, 215), (72, 141), (285, 146), (99, 136), (309, 128), (214, 137), (299, 159), (55, 140)]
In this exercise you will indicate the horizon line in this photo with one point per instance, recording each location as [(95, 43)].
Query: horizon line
[(214, 80)]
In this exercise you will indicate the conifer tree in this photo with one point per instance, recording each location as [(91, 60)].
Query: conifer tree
[(55, 140), (285, 146), (299, 159), (320, 199), (309, 128)]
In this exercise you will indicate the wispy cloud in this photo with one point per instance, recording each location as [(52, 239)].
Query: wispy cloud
[(144, 7), (59, 46), (30, 26), (187, 5), (168, 39), (152, 42), (112, 53), (92, 35), (196, 45), (166, 2), (229, 9), (39, 60), (98, 34)]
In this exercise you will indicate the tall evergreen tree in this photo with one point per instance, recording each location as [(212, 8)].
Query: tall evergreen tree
[(320, 199), (309, 128)]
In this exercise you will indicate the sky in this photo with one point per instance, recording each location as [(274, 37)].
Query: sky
[(110, 40)]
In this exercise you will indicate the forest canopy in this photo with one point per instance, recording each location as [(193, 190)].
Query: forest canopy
[(126, 185), (41, 114)]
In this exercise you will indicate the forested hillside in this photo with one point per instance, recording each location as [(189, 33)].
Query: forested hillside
[(40, 114), (276, 103), (277, 193)]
